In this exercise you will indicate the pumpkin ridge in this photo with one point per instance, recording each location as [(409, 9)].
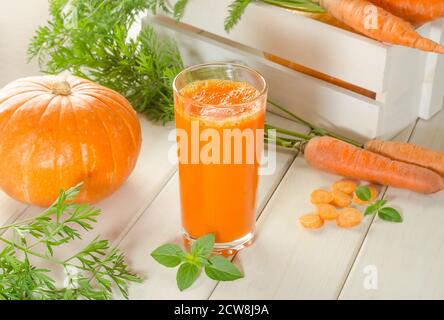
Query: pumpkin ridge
[(127, 125), (58, 140), (15, 111), (107, 134), (85, 168), (25, 80), (19, 90), (80, 81), (129, 110), (19, 94), (41, 84), (26, 164), (113, 95)]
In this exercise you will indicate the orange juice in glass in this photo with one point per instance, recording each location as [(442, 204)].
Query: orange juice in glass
[(219, 112)]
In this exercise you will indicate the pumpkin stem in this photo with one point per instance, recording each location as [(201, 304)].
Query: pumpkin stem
[(61, 88)]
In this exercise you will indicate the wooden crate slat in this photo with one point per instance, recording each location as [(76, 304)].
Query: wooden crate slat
[(319, 46)]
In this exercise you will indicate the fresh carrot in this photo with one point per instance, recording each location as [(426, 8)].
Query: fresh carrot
[(311, 221), (321, 196), (379, 24), (348, 218), (338, 157), (410, 153), (414, 11)]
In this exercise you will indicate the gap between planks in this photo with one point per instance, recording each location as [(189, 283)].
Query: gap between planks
[(358, 251)]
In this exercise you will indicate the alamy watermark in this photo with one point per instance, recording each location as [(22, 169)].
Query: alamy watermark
[(226, 146), (371, 277)]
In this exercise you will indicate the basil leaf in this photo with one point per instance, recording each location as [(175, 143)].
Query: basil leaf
[(363, 193), (371, 209), (203, 246), (389, 214), (203, 261), (168, 255), (222, 270), (186, 275)]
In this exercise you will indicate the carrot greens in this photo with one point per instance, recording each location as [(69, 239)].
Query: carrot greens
[(92, 39), (90, 273)]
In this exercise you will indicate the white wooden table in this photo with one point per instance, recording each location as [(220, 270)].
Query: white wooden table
[(286, 261)]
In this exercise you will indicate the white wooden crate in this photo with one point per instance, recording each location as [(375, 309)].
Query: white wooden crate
[(406, 83)]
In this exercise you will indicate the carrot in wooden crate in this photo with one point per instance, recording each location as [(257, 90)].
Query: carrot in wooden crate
[(379, 24), (321, 196), (348, 218), (338, 157), (311, 221), (345, 186), (410, 153), (326, 211), (415, 11)]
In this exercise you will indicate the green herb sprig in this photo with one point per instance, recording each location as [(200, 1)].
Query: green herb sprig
[(91, 39), (377, 207), (96, 269), (190, 264)]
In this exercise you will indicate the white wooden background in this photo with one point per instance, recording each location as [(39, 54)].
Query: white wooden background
[(286, 261)]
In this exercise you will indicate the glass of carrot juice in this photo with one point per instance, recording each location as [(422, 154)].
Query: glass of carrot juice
[(219, 113)]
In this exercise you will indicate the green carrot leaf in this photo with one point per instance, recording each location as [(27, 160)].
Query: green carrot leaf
[(301, 5), (186, 275), (236, 10), (390, 214), (221, 269), (179, 9)]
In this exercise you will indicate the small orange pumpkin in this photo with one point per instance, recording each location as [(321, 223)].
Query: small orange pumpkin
[(55, 133)]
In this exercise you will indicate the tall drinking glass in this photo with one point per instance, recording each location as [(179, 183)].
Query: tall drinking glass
[(219, 112)]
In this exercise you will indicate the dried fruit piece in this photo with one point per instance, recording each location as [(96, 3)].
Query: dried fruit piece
[(311, 221), (348, 218), (345, 186), (321, 196), (374, 194), (341, 199), (326, 211)]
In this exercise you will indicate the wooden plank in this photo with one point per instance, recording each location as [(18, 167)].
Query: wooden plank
[(160, 224), (408, 257), (287, 261), (9, 209)]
